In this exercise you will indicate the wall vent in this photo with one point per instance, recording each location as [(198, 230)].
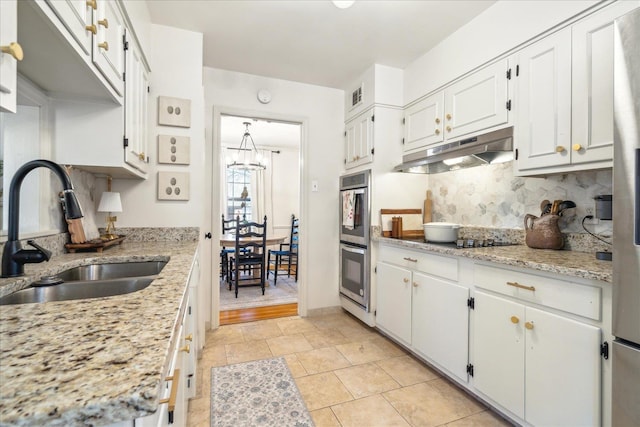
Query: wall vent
[(356, 96)]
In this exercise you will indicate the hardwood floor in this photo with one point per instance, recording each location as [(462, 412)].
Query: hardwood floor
[(242, 315)]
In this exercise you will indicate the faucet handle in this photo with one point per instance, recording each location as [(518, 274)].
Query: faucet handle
[(45, 252)]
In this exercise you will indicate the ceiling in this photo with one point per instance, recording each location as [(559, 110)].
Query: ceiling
[(312, 41)]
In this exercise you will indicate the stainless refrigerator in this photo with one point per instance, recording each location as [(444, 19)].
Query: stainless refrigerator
[(626, 222)]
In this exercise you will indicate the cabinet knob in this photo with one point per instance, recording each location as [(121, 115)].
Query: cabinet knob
[(93, 4), (448, 116), (92, 28), (437, 131), (448, 128), (104, 22), (15, 50), (105, 46), (405, 280), (577, 147), (529, 325), (141, 155), (514, 319), (437, 120), (189, 337), (560, 149), (415, 284), (186, 348)]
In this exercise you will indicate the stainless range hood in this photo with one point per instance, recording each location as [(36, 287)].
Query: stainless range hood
[(488, 148)]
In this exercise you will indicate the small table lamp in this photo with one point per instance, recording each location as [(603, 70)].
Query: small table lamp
[(110, 202)]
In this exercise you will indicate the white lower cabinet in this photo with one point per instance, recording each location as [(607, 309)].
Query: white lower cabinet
[(426, 313)]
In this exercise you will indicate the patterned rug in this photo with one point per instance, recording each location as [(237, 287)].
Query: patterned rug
[(258, 393), (286, 292)]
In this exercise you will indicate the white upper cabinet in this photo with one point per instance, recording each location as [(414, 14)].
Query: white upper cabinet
[(76, 16), (471, 105), (564, 104), (543, 103), (11, 52), (136, 107), (359, 140), (108, 43)]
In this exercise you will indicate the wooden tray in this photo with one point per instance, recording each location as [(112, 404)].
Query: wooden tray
[(96, 245)]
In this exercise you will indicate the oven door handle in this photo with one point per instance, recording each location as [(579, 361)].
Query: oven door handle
[(353, 250)]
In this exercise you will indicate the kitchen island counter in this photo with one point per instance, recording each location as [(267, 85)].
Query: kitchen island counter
[(91, 361), (568, 263)]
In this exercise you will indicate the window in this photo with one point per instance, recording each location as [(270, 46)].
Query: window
[(238, 194)]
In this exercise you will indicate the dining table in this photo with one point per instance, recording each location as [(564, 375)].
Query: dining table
[(228, 240)]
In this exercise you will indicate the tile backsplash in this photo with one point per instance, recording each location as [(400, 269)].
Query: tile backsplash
[(491, 196)]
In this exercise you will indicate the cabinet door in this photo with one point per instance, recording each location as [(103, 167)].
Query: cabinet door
[(477, 102), (440, 323), (8, 64), (359, 140), (108, 43), (423, 123), (393, 309), (562, 371), (77, 19), (136, 102), (191, 338), (498, 350), (543, 104), (592, 90)]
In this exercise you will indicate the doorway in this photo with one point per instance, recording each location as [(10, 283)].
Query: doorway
[(251, 194)]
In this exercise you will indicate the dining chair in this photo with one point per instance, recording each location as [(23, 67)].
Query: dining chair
[(228, 225), (248, 261), (286, 258)]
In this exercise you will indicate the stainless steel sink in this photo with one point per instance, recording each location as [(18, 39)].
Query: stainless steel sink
[(81, 289), (111, 271), (89, 281)]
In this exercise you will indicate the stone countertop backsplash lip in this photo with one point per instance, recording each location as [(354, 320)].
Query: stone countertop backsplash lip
[(101, 360), (569, 263)]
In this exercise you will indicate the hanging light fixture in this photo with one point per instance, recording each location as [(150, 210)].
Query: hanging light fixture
[(247, 157)]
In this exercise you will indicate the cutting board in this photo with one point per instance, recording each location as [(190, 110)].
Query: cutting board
[(411, 221), (428, 205)]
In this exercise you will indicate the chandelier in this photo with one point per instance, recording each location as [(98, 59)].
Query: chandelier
[(247, 157)]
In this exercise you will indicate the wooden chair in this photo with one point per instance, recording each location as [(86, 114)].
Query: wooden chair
[(228, 225), (286, 258), (248, 261)]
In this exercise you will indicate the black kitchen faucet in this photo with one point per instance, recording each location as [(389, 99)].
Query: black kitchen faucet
[(14, 257)]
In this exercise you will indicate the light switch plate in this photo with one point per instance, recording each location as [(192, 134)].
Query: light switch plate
[(174, 150), (173, 185), (174, 111)]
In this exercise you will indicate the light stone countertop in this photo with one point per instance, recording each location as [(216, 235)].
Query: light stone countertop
[(568, 263), (92, 361)]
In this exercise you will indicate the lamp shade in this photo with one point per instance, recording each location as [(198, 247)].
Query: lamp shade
[(110, 202)]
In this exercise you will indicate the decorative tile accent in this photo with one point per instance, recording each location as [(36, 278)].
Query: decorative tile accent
[(174, 150), (173, 185), (174, 111)]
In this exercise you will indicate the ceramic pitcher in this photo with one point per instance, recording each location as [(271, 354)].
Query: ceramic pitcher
[(543, 232)]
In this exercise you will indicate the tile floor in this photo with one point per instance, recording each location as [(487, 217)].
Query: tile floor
[(347, 373)]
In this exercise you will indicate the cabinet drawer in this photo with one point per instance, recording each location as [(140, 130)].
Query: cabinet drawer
[(435, 265), (559, 294)]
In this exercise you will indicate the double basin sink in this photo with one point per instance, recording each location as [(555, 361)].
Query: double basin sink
[(89, 281)]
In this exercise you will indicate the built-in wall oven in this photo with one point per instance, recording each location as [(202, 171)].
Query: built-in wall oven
[(355, 219)]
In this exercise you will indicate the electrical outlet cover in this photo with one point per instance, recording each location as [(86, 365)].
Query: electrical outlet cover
[(174, 111), (174, 150), (173, 185)]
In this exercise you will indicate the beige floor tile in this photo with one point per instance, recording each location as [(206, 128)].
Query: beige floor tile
[(225, 335), (246, 351), (389, 348), (204, 381), (326, 338), (260, 331), (358, 332), (324, 418), (365, 380), (407, 371), (432, 403), (361, 352), (215, 355), (322, 390), (199, 411), (334, 321), (296, 368), (288, 344), (370, 411), (483, 419), (291, 326), (322, 360)]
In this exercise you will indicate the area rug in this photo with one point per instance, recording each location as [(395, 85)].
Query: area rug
[(257, 393), (286, 292)]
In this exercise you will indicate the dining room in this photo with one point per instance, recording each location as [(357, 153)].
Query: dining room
[(259, 204)]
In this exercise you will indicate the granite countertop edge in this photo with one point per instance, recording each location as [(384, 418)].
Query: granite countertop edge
[(568, 263), (102, 360)]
